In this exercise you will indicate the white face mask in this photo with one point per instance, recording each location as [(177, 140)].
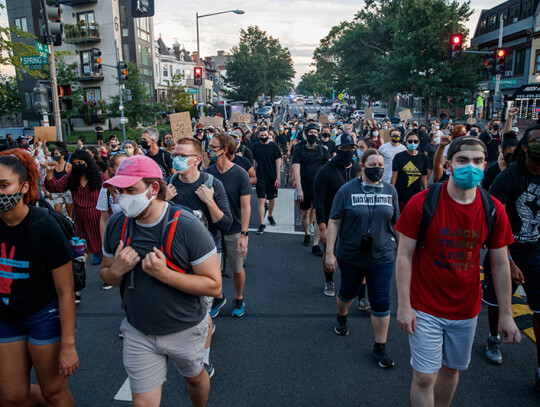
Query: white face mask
[(375, 134), (134, 205), (437, 127)]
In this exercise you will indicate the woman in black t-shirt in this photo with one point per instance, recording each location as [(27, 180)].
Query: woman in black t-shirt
[(37, 302)]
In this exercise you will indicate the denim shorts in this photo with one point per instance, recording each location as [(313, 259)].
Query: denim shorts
[(40, 328), (378, 279)]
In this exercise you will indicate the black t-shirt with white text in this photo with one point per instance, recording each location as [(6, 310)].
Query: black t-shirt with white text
[(410, 169)]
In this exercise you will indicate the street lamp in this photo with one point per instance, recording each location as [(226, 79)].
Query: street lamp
[(197, 16)]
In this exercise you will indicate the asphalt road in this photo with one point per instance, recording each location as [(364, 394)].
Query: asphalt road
[(284, 352)]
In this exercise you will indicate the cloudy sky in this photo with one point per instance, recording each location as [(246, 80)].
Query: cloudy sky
[(299, 24)]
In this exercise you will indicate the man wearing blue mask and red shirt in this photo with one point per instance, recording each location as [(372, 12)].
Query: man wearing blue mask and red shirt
[(438, 272)]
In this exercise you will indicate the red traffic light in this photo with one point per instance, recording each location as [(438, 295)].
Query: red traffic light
[(501, 53), (456, 39), (198, 71)]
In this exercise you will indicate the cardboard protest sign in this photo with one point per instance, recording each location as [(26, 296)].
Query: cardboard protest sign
[(181, 125), (211, 121), (405, 114), (472, 120), (323, 119), (469, 109), (384, 135), (368, 114), (241, 118), (44, 134)]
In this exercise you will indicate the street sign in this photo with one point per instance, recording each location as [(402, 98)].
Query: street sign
[(42, 47), (33, 60), (193, 91), (120, 107), (123, 120), (35, 67)]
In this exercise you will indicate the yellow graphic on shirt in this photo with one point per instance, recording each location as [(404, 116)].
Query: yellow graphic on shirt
[(413, 173)]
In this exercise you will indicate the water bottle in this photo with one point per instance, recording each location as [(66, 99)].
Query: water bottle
[(78, 246)]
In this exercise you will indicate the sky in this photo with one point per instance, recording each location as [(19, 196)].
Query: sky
[(298, 24)]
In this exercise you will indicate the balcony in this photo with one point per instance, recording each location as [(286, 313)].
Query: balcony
[(82, 33), (91, 77), (76, 3)]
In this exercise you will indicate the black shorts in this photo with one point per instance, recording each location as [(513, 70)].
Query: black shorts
[(307, 202), (99, 136), (266, 189)]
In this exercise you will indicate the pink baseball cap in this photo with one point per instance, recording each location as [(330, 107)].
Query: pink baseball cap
[(133, 170)]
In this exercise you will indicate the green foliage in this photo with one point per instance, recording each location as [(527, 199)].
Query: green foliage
[(313, 83), (258, 65), (178, 100), (138, 110), (66, 74), (10, 99)]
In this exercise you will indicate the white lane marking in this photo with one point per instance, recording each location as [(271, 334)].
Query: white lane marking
[(124, 394), (283, 214)]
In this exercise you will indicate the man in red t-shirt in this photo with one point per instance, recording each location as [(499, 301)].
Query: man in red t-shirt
[(439, 292)]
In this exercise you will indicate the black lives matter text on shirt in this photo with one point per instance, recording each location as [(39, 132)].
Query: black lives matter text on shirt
[(410, 169), (266, 156)]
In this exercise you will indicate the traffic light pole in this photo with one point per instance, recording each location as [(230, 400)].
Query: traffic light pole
[(120, 101), (52, 68), (498, 77)]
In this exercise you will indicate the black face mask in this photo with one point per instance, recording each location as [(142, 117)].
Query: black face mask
[(422, 132), (374, 174), (344, 157), (311, 138), (57, 158), (496, 127), (145, 145), (473, 133), (263, 139), (78, 169), (507, 157), (534, 152), (325, 135)]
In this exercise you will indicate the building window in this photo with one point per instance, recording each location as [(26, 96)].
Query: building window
[(503, 15), (143, 28), (514, 13), (125, 48), (519, 61), (482, 29), (29, 100), (87, 17), (165, 71), (145, 58), (492, 23), (92, 94), (86, 63), (124, 21), (537, 63), (20, 23), (527, 9)]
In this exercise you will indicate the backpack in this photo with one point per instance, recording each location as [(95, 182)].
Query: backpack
[(430, 205), (321, 155), (38, 217), (209, 183)]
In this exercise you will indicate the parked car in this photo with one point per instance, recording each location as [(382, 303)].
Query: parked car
[(394, 120), (309, 101), (325, 102), (264, 111), (357, 114), (379, 116)]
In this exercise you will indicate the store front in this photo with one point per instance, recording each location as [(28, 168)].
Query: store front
[(527, 99)]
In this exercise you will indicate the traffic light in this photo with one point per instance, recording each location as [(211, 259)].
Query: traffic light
[(500, 61), (142, 8), (194, 103), (456, 45), (122, 72), (197, 74), (96, 60), (489, 66), (52, 22), (41, 98)]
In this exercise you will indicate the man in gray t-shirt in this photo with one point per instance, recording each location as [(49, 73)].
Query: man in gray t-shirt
[(164, 261)]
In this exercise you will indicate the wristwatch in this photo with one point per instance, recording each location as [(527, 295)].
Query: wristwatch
[(244, 233)]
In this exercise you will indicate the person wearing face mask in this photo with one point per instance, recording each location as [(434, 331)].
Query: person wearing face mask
[(474, 131), (374, 136), (84, 182), (283, 139), (114, 148), (491, 138), (329, 179), (242, 160), (242, 150), (37, 306), (267, 158), (409, 170), (362, 221), (518, 188), (506, 152), (327, 142), (438, 273), (431, 149), (308, 158), (164, 260), (57, 200), (168, 143), (163, 159), (389, 151), (98, 131)]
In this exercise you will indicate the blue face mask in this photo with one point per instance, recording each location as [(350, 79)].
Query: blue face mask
[(412, 146), (180, 164), (467, 176), (359, 153)]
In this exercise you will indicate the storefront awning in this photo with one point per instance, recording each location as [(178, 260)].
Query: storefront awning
[(530, 91)]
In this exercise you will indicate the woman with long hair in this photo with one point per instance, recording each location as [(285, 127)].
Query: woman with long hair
[(99, 158), (168, 142), (62, 168), (37, 307), (84, 182)]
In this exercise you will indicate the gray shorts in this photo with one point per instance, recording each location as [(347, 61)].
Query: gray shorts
[(61, 198), (145, 356), (439, 341), (236, 262)]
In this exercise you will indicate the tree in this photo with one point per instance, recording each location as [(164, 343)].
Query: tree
[(137, 107), (178, 100), (10, 99), (258, 65), (312, 83)]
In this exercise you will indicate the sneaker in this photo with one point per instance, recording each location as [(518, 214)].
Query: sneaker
[(238, 308), (311, 228), (261, 230), (217, 303), (307, 239), (383, 359), (97, 259), (493, 353), (77, 298), (341, 328), (120, 335), (298, 221), (105, 286), (209, 369), (271, 221), (316, 250), (363, 304), (329, 289)]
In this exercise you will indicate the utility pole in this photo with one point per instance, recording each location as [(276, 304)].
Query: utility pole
[(498, 77), (120, 101)]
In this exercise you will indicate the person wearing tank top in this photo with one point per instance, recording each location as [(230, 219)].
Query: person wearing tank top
[(58, 200)]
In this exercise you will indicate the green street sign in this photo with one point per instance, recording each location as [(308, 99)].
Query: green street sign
[(36, 67), (193, 91), (33, 60), (42, 47)]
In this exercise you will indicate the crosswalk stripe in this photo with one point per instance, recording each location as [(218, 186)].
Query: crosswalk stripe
[(124, 394)]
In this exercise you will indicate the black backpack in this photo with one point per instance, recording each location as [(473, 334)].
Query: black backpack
[(38, 217), (430, 205)]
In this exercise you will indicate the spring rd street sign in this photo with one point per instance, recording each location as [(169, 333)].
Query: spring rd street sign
[(42, 47), (33, 60)]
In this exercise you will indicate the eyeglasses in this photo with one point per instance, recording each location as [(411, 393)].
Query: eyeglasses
[(214, 148), (413, 141), (184, 155)]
